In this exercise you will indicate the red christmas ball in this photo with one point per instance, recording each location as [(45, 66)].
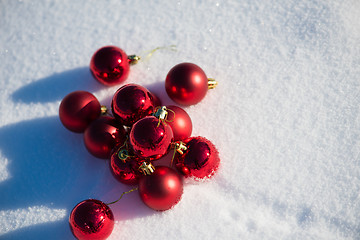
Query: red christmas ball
[(180, 123), (186, 84), (162, 189), (124, 165), (200, 159), (91, 220), (78, 109), (150, 138), (110, 65), (132, 102), (103, 135), (157, 101)]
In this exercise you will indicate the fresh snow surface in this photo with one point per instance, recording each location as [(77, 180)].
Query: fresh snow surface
[(285, 116)]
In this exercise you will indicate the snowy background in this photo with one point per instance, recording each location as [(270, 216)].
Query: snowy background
[(285, 116)]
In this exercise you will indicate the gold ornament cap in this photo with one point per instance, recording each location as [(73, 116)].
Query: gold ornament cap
[(180, 147), (212, 83), (103, 110), (161, 113), (133, 59), (147, 168)]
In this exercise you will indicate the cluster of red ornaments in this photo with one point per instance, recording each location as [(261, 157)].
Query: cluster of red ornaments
[(138, 131)]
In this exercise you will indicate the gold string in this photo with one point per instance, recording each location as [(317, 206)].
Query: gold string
[(167, 109), (151, 52), (134, 59), (134, 189)]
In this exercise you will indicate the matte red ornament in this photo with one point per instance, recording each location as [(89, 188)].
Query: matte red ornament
[(180, 122), (199, 160), (103, 135), (91, 220), (124, 165), (78, 109), (132, 102), (162, 189), (150, 138), (187, 84), (110, 65)]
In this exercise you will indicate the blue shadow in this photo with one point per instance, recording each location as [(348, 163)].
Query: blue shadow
[(49, 166), (56, 86)]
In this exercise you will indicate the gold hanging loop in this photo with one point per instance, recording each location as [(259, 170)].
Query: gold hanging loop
[(134, 59), (134, 189)]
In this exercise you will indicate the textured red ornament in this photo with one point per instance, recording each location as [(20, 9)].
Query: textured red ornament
[(91, 220), (103, 135), (200, 159), (78, 109), (150, 138), (162, 189), (124, 165), (180, 123), (110, 65), (186, 84), (132, 102)]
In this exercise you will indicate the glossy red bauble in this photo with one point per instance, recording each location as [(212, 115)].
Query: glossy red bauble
[(157, 101), (110, 65), (124, 165), (180, 123), (78, 109), (162, 189), (103, 135), (200, 159), (150, 138), (91, 220), (186, 84), (132, 102)]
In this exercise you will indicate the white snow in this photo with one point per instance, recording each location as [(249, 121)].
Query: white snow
[(285, 116)]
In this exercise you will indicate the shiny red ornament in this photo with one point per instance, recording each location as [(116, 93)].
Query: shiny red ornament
[(78, 109), (132, 102), (91, 220), (186, 84), (103, 135), (110, 65), (162, 189), (156, 100), (124, 165), (199, 160), (150, 138), (180, 122)]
